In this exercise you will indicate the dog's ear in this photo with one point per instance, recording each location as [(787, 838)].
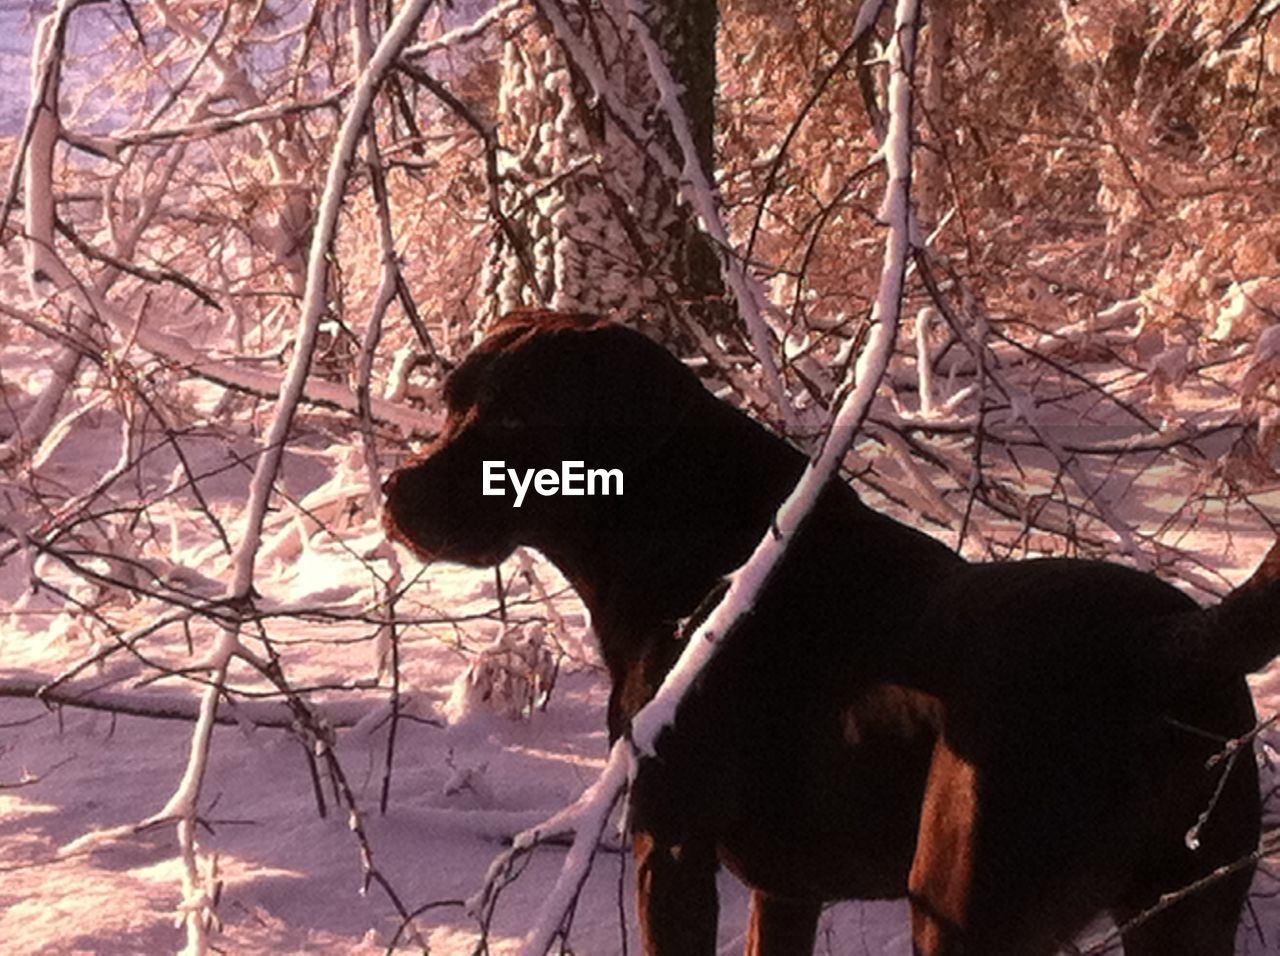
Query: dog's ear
[(616, 395), (639, 395)]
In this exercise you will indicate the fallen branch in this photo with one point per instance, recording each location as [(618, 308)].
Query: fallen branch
[(255, 713)]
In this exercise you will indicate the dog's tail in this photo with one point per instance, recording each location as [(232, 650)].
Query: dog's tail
[(1239, 635)]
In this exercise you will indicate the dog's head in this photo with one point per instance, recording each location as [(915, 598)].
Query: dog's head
[(541, 389)]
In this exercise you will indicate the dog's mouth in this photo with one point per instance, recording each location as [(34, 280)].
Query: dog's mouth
[(396, 531)]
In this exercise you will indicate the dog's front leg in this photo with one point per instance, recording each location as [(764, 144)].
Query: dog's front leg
[(677, 902), (781, 927)]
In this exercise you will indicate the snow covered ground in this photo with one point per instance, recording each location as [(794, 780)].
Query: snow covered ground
[(291, 879)]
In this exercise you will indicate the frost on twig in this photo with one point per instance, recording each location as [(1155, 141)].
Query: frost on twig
[(586, 816), (1023, 408), (514, 676)]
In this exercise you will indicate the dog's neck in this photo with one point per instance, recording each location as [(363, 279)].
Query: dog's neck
[(691, 513)]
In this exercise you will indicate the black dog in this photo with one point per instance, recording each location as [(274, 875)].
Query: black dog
[(1017, 747)]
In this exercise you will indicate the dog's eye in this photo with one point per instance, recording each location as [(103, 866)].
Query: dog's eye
[(509, 422)]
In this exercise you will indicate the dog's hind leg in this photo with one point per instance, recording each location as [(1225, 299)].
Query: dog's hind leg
[(781, 927), (970, 895), (676, 896)]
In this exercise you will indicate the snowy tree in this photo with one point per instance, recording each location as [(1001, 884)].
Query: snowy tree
[(594, 222)]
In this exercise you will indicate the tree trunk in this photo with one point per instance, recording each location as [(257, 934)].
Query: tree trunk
[(602, 227)]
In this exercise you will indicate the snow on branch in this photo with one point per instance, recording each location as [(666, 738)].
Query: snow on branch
[(40, 129), (181, 353), (464, 33), (587, 816), (33, 164), (1023, 407), (315, 298), (585, 820), (700, 193), (747, 581), (109, 145)]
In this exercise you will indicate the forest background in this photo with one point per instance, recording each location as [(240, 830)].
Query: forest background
[(245, 240)]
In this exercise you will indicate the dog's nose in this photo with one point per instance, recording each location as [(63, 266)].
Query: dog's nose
[(389, 483)]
